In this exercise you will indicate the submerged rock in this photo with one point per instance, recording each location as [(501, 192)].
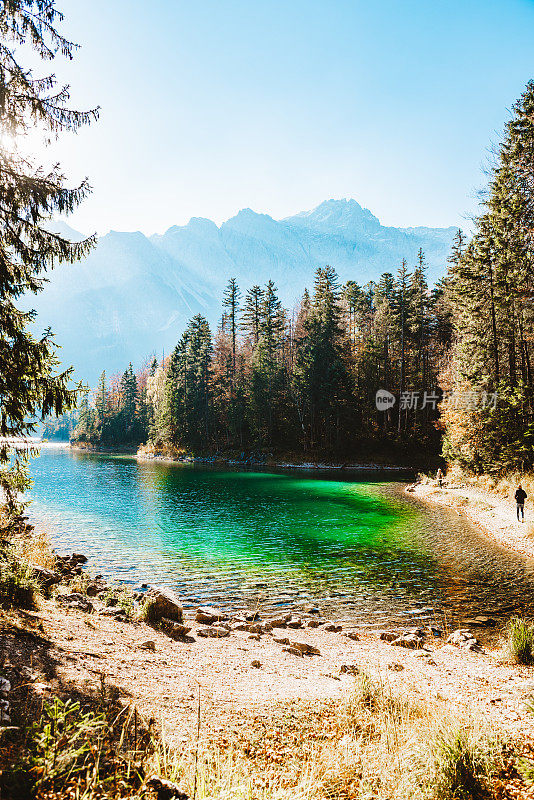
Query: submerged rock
[(481, 621)]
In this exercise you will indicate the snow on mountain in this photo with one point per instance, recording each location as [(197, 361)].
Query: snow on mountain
[(133, 295)]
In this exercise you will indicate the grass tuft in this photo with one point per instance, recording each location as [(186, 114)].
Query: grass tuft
[(149, 612), (520, 641), (465, 763)]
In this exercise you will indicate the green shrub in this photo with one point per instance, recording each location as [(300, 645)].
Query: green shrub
[(17, 584), (63, 742), (120, 596), (521, 641), (74, 752)]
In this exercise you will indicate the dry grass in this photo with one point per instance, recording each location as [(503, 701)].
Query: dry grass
[(151, 450), (375, 744), (33, 547), (503, 487)]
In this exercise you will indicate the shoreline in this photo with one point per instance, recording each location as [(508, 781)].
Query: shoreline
[(267, 463), (493, 515), (71, 639)]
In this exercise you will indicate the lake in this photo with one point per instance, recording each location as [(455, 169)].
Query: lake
[(363, 550)]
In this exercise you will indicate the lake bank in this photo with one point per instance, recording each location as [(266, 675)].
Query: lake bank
[(245, 695), (301, 462), (163, 681), (491, 513)]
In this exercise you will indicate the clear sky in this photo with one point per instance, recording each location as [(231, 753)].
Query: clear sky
[(209, 106)]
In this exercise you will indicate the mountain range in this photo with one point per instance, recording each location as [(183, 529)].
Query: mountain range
[(133, 295)]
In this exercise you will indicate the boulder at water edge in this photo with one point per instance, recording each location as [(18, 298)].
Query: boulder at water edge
[(164, 603)]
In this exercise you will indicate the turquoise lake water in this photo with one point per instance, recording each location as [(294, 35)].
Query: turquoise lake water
[(363, 549)]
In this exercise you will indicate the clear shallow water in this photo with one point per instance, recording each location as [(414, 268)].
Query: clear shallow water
[(363, 549)]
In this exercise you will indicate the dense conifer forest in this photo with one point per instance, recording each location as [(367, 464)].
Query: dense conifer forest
[(302, 380), (457, 357)]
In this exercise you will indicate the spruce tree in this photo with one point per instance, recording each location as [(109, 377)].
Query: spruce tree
[(321, 377), (402, 287), (101, 402), (491, 288), (252, 313), (128, 393), (231, 303), (188, 388), (266, 379), (30, 384)]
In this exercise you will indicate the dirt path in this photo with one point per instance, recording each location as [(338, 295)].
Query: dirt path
[(494, 515)]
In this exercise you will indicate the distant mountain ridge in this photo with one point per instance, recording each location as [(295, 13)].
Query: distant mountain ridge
[(134, 294)]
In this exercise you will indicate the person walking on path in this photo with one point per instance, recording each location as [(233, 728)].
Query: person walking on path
[(520, 497), (439, 477)]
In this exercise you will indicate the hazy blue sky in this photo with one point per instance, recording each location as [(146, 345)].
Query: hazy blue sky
[(209, 106)]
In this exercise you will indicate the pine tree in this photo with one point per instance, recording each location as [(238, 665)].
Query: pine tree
[(321, 378), (231, 302), (491, 288), (29, 382), (188, 388), (252, 313)]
